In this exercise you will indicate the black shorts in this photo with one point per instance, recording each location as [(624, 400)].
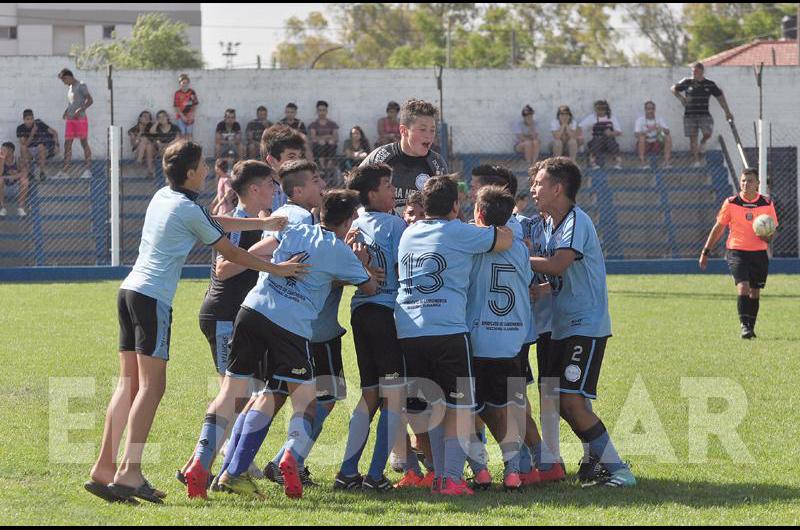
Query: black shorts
[(548, 364), (288, 355), (380, 358), (218, 333), (439, 368), (751, 267), (525, 364), (145, 324), (329, 370), (580, 359), (499, 382)]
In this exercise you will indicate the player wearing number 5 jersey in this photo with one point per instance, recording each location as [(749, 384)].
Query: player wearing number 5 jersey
[(435, 262), (581, 321)]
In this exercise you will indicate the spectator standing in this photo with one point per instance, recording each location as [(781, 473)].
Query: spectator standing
[(163, 132), (566, 133), (141, 145), (185, 103), (77, 124), (356, 148), (228, 138), (653, 136), (253, 132), (12, 174), (225, 201), (389, 126), (36, 138), (698, 90), (527, 137), (324, 136), (605, 130)]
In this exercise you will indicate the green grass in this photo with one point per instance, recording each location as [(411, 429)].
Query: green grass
[(665, 329)]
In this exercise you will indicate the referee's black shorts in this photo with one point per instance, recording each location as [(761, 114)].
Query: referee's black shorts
[(749, 266)]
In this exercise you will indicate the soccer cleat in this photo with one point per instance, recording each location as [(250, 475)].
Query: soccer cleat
[(21, 212), (622, 478), (292, 484), (554, 474), (512, 482), (395, 462), (305, 477), (381, 485), (273, 473), (454, 488), (591, 472), (482, 481), (411, 480), (255, 472), (243, 485), (748, 332), (197, 481), (530, 478), (428, 481), (345, 483)]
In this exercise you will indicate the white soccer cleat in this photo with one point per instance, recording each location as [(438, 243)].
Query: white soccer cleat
[(21, 212)]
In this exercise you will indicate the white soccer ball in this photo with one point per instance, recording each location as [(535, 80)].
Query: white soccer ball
[(764, 226)]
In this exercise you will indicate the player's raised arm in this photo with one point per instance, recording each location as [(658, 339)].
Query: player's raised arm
[(504, 240), (232, 253), (237, 224)]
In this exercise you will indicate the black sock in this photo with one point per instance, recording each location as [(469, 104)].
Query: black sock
[(754, 307), (742, 304)]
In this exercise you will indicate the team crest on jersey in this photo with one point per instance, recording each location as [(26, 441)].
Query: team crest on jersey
[(572, 373), (749, 216), (422, 178)]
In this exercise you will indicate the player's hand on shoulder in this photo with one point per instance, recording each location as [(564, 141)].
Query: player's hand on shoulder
[(377, 274), (275, 223), (361, 252), (352, 236), (294, 268)]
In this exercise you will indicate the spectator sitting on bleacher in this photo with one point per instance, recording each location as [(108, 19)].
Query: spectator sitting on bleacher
[(185, 103), (225, 200), (389, 126), (653, 136), (253, 132), (605, 130), (290, 118), (566, 133), (526, 136), (324, 136), (356, 148), (163, 132), (12, 174), (141, 145), (228, 137), (36, 137)]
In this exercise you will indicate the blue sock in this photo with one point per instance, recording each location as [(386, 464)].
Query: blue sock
[(233, 441), (436, 436), (543, 457), (512, 451), (381, 452), (477, 457), (316, 429), (454, 459), (299, 437), (254, 432), (603, 448), (356, 441), (211, 438), (525, 459)]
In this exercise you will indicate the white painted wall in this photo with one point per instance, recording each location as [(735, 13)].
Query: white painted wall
[(480, 105)]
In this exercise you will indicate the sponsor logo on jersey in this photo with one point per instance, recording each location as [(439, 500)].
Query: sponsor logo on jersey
[(299, 371), (456, 395)]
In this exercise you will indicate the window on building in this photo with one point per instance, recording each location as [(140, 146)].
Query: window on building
[(8, 32), (108, 32)]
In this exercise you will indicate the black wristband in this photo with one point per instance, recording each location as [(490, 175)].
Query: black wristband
[(706, 252)]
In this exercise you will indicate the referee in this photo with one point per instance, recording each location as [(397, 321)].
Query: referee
[(747, 253)]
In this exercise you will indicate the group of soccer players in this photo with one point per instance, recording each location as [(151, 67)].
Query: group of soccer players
[(443, 317)]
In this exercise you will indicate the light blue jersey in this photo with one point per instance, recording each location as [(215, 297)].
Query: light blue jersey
[(174, 222), (543, 307), (499, 308), (525, 225), (294, 304), (326, 327), (435, 263), (381, 233), (297, 215), (580, 296)]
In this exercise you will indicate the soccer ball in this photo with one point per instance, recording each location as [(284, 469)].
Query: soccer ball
[(764, 226)]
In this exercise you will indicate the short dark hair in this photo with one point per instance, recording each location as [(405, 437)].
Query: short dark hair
[(414, 108), (180, 157), (496, 175), (27, 112), (291, 174), (230, 111), (322, 103), (496, 204), (698, 64), (602, 103), (9, 145), (415, 197), (279, 138), (564, 171), (338, 206), (527, 109), (439, 195), (65, 72), (291, 106), (393, 105), (750, 171), (365, 179), (245, 172), (260, 108)]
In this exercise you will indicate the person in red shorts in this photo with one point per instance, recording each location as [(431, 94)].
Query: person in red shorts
[(77, 125), (747, 252)]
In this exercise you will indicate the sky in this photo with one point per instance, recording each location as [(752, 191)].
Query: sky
[(262, 30)]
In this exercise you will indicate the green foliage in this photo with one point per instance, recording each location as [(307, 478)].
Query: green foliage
[(157, 43)]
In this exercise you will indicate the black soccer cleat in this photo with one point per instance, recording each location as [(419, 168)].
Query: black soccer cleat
[(591, 472), (748, 332), (381, 485), (305, 477), (345, 483), (273, 473)]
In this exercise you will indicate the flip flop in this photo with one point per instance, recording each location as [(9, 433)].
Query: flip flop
[(104, 492), (158, 493), (144, 492)]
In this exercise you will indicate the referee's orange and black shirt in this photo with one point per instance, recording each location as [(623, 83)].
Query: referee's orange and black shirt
[(738, 215)]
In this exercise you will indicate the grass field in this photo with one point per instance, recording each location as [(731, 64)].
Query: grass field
[(667, 329)]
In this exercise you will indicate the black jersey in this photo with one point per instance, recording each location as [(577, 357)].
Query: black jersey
[(409, 173), (697, 95)]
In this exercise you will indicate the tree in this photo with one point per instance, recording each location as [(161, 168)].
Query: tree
[(664, 29), (156, 43)]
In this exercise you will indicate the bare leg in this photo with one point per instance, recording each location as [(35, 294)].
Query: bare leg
[(641, 146), (558, 147), (23, 188), (67, 155)]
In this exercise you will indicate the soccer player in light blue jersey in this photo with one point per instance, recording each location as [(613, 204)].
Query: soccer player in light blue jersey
[(280, 144), (174, 222), (581, 321), (499, 316), (276, 317), (435, 260)]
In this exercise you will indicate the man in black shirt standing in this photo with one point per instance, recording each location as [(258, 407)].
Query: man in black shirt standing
[(698, 91), (411, 159)]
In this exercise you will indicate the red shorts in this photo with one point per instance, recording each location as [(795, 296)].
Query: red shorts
[(653, 148), (77, 129)]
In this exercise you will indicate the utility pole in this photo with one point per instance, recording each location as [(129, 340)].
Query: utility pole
[(229, 50)]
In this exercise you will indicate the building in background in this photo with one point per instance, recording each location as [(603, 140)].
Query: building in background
[(771, 52), (53, 29)]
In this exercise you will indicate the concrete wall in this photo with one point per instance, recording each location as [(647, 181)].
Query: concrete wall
[(480, 105)]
